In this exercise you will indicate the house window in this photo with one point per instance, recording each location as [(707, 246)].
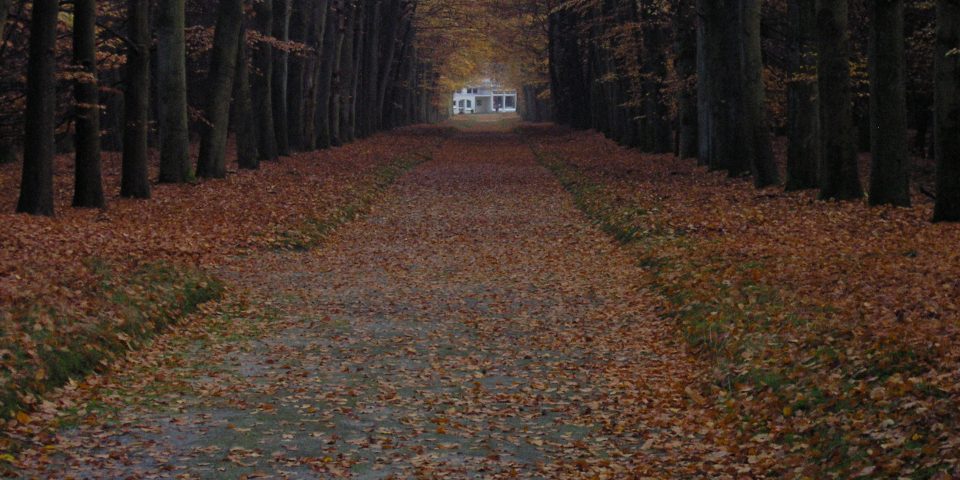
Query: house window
[(511, 102), (469, 104)]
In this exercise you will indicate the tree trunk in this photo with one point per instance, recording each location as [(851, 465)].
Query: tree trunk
[(301, 20), (371, 71), (762, 164), (36, 187), (88, 181), (704, 113), (947, 111), (685, 34), (396, 19), (655, 126), (327, 58), (244, 118), (803, 104), (134, 182), (263, 83), (212, 161), (349, 129), (839, 177), (172, 93), (728, 146), (890, 172), (346, 73), (281, 74), (338, 76)]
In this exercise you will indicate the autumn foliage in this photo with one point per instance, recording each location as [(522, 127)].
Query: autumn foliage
[(831, 327), (97, 282)]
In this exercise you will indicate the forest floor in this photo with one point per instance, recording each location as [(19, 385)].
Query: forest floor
[(524, 303)]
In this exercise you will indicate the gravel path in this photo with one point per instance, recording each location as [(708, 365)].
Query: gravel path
[(472, 325)]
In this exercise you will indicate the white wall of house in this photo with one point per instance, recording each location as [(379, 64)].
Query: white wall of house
[(485, 98)]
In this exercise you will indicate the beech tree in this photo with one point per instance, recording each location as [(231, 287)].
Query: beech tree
[(88, 182), (890, 172), (223, 60), (947, 111), (134, 181), (280, 73), (36, 186), (248, 156), (839, 177), (803, 102), (172, 93), (262, 85)]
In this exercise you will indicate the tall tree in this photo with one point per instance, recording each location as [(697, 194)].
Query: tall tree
[(722, 83), (839, 177), (685, 49), (370, 65), (263, 82), (301, 21), (890, 172), (317, 71), (328, 64), (88, 180), (36, 186), (337, 74), (654, 125), (757, 127), (803, 103), (223, 60), (395, 10), (172, 92), (247, 143), (947, 111), (134, 181), (281, 74)]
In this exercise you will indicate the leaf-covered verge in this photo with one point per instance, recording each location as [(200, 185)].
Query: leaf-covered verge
[(832, 326), (78, 290)]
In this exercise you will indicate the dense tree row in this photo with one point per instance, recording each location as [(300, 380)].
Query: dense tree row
[(282, 75), (695, 76)]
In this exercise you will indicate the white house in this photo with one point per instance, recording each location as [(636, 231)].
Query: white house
[(485, 97)]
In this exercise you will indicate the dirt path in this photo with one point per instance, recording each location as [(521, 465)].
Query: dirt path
[(473, 325)]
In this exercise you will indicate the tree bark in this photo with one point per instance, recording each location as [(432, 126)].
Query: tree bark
[(947, 111), (88, 181), (134, 182), (302, 17), (728, 143), (803, 103), (368, 112), (396, 19), (685, 33), (757, 126), (839, 176), (263, 83), (281, 75), (223, 61), (704, 113), (36, 186), (328, 61), (655, 127), (890, 172), (345, 76), (244, 118), (172, 93), (338, 76)]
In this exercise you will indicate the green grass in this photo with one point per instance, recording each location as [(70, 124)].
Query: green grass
[(738, 326), (311, 233), (135, 306)]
